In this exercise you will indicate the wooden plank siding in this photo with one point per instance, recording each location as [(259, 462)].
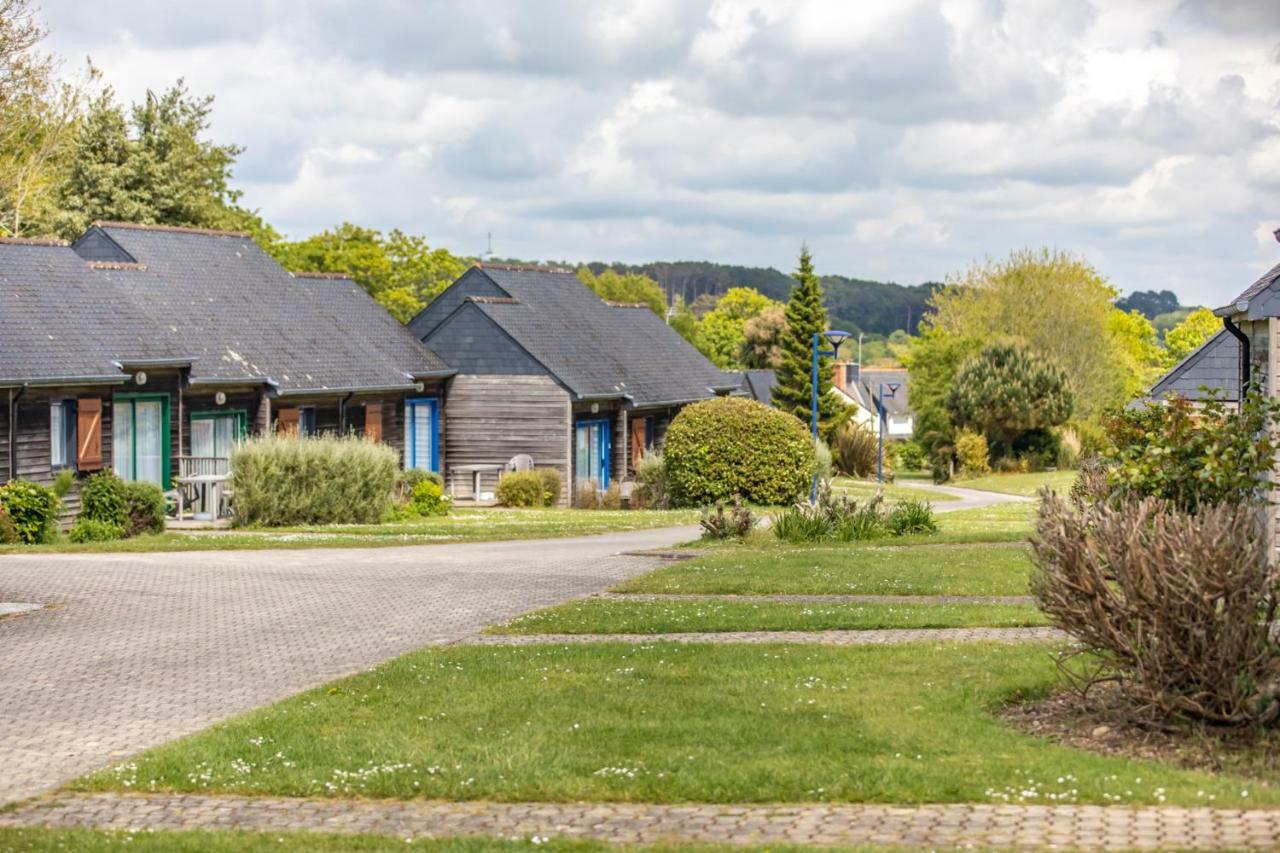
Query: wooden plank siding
[(489, 419)]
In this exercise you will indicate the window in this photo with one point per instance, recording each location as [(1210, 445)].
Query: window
[(62, 434), (140, 439), (213, 434)]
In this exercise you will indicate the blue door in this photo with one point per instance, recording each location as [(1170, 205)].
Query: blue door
[(421, 428), (591, 452)]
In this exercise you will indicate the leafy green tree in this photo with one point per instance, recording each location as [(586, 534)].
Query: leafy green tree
[(806, 315), (684, 321), (1184, 338), (763, 334), (1053, 301), (401, 271), (626, 287), (37, 120), (722, 333), (932, 361), (1006, 392), (151, 165), (1139, 345)]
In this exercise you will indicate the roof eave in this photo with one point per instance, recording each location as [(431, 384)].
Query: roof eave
[(47, 381)]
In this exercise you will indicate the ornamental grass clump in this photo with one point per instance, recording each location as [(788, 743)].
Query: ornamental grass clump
[(284, 480), (840, 518), (1176, 608)]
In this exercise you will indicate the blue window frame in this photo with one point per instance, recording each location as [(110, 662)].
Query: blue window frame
[(591, 453), (421, 432)]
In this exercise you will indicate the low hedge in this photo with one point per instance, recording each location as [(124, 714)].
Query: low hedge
[(144, 508), (520, 489), (284, 480), (102, 500), (731, 446)]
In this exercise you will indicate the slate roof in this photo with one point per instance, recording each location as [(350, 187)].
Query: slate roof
[(1214, 365), (758, 385), (1252, 295), (214, 299), (870, 381), (596, 349)]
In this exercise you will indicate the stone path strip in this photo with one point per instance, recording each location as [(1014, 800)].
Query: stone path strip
[(1075, 827), (817, 599), (878, 637)]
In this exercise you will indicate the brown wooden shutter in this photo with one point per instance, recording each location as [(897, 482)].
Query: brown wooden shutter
[(639, 439), (373, 421), (89, 434), (287, 421)]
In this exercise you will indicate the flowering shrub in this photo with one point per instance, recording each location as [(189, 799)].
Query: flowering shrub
[(1194, 456), (427, 499), (32, 508)]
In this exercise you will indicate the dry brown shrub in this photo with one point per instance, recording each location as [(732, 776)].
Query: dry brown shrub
[(1177, 609)]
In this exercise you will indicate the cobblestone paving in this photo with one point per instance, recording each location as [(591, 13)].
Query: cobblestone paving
[(138, 649), (818, 599), (1076, 827), (878, 637)]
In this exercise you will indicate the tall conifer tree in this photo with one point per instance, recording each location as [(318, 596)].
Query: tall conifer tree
[(806, 314)]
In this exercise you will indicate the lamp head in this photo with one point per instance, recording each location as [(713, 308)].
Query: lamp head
[(836, 337), (893, 387)]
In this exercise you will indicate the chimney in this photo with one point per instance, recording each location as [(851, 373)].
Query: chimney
[(837, 375)]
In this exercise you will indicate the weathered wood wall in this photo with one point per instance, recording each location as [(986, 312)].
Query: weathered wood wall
[(489, 419)]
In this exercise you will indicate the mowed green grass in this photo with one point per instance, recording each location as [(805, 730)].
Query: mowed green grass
[(864, 489), (466, 525), (604, 616), (1021, 484), (883, 568), (666, 722)]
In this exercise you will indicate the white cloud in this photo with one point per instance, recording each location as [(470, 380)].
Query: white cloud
[(901, 140)]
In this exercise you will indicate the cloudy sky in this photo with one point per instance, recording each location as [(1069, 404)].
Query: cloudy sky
[(899, 142)]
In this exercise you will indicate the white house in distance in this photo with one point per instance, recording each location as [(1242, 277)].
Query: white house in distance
[(861, 388)]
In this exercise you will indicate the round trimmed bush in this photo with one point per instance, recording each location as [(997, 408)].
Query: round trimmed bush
[(144, 506), (33, 510), (521, 489), (732, 446)]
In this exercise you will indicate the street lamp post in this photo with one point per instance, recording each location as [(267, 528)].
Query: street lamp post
[(893, 391), (835, 337)]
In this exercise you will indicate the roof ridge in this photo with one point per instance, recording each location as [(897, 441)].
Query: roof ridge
[(33, 241), (525, 268), (178, 229), (625, 304), (329, 276), (493, 300), (115, 265)]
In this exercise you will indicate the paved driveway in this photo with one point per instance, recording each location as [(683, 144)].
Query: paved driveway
[(138, 649)]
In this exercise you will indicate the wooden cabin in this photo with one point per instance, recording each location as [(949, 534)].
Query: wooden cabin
[(545, 367), (152, 350)]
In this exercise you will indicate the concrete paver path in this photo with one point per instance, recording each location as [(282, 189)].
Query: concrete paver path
[(137, 649), (935, 826), (870, 637)]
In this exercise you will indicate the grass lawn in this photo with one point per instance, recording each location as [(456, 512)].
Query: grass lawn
[(464, 525), (602, 616), (868, 569), (892, 491), (230, 841), (665, 722), (1020, 484)]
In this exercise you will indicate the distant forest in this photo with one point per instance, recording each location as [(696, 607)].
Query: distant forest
[(856, 305)]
